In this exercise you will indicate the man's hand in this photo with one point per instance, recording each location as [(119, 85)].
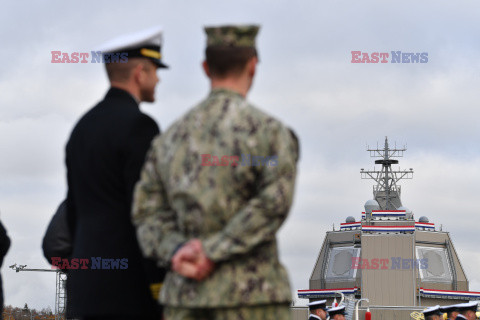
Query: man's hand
[(191, 261)]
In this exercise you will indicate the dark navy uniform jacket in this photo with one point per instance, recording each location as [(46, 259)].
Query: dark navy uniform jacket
[(4, 246), (104, 156)]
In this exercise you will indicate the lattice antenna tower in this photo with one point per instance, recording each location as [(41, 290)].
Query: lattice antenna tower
[(60, 292), (387, 191)]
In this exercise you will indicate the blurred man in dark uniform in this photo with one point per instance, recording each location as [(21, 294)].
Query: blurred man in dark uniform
[(4, 246), (104, 156), (467, 310), (433, 313), (451, 311), (318, 310), (337, 313)]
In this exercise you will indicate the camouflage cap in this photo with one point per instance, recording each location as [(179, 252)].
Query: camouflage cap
[(232, 36)]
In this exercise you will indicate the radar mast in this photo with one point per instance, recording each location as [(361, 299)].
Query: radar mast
[(387, 191)]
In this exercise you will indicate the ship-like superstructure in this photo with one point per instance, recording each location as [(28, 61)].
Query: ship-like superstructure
[(400, 264)]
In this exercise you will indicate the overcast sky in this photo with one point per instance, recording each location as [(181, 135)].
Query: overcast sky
[(305, 78)]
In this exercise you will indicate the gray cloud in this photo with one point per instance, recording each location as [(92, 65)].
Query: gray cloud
[(305, 78)]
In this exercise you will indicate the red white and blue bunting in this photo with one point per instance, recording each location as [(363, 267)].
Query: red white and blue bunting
[(388, 228), (386, 213), (449, 294), (311, 294), (350, 225), (425, 225), (358, 225)]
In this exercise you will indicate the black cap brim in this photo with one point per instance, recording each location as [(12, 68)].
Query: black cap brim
[(448, 309), (159, 64)]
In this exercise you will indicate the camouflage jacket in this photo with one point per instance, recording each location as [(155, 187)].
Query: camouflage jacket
[(234, 205)]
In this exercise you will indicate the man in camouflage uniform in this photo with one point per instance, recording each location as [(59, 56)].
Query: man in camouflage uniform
[(214, 221)]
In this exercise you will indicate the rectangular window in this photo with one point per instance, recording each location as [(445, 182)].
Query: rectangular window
[(435, 266), (340, 264)]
